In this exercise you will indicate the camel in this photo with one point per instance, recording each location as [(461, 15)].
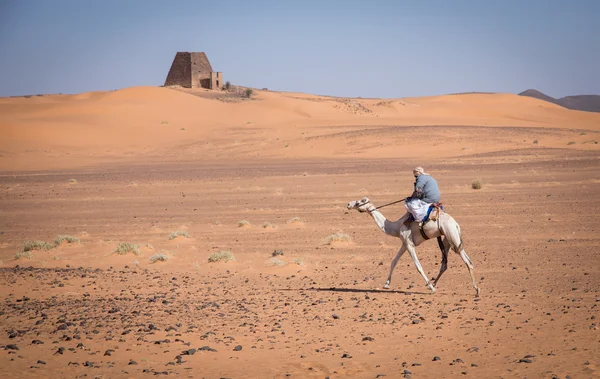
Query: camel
[(411, 237)]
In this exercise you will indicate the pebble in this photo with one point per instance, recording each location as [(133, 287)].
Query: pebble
[(207, 348)]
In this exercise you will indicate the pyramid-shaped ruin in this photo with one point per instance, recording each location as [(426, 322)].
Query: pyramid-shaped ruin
[(193, 70)]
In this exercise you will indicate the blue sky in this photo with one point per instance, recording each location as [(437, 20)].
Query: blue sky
[(374, 48)]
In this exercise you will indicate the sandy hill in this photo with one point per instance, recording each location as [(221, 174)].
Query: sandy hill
[(588, 103), (156, 123)]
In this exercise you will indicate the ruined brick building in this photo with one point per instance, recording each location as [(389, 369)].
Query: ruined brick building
[(193, 70)]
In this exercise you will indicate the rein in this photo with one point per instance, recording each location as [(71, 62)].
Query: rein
[(385, 205)]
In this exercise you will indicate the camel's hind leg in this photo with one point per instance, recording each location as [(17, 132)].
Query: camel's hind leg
[(394, 263), (467, 260), (455, 239), (444, 265)]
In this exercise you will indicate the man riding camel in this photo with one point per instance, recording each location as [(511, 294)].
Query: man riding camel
[(426, 192)]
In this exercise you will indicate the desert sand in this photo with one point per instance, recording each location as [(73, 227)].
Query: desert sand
[(180, 175)]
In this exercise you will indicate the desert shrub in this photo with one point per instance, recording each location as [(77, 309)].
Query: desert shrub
[(158, 257), (268, 225), (23, 254), (571, 143), (73, 181), (295, 220), (178, 233), (275, 262), (338, 237), (69, 239), (476, 184), (221, 256), (536, 141), (277, 252), (228, 85), (243, 223), (298, 261), (127, 247), (248, 92), (36, 245)]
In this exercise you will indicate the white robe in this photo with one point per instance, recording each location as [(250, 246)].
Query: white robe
[(418, 208)]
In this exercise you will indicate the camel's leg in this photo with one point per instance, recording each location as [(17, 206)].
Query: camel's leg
[(394, 263), (444, 265), (411, 250), (453, 234), (467, 260)]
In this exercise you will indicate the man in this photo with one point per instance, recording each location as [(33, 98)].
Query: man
[(426, 192)]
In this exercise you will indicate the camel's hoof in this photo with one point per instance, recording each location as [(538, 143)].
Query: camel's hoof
[(386, 286), (432, 289)]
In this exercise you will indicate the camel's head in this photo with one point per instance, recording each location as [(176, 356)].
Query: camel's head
[(361, 205)]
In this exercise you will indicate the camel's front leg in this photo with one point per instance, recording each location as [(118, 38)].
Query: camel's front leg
[(413, 254), (394, 263)]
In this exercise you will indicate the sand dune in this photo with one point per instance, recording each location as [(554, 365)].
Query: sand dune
[(115, 204), (61, 131)]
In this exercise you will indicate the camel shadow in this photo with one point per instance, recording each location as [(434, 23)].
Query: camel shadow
[(356, 290)]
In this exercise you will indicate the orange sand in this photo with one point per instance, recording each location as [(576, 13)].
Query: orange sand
[(137, 164)]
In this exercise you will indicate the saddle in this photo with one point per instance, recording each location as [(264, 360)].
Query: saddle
[(433, 214), (436, 209)]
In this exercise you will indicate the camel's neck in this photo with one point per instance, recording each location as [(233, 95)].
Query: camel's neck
[(388, 227)]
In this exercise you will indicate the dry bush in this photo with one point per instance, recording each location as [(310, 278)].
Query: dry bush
[(36, 245), (298, 261), (178, 233), (127, 247), (23, 254), (158, 257), (69, 239), (338, 237), (221, 256), (243, 223), (275, 262), (476, 184)]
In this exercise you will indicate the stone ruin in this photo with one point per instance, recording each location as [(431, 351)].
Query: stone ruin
[(193, 70)]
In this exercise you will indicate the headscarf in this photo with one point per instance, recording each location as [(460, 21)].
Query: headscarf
[(419, 170)]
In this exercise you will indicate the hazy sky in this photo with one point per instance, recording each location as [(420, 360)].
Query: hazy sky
[(395, 48)]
